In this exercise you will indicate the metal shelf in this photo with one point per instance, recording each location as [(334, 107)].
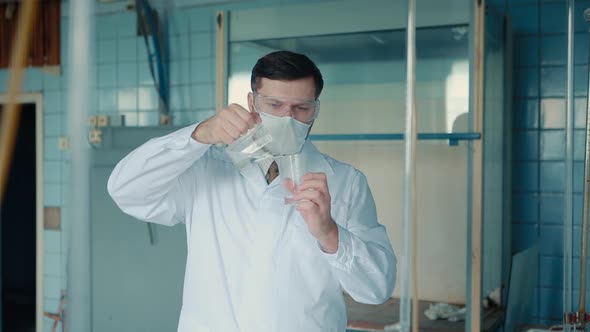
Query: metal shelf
[(453, 138)]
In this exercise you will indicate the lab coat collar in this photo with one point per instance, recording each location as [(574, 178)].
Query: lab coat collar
[(317, 162)]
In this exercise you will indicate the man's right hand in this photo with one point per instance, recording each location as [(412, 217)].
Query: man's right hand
[(225, 126)]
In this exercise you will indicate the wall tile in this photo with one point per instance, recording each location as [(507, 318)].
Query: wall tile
[(580, 113), (525, 208), (144, 75), (52, 287), (578, 204), (551, 176), (52, 172), (554, 50), (201, 45), (126, 24), (579, 144), (107, 99), (526, 50), (52, 265), (551, 236), (525, 18), (201, 20), (52, 193), (524, 236), (127, 99), (551, 271), (202, 70), (127, 50), (51, 149), (204, 96), (185, 117), (53, 102), (52, 241), (578, 177), (522, 2), (180, 47), (51, 82), (180, 22), (3, 79), (527, 82), (553, 81), (107, 75), (107, 51), (534, 309), (51, 306), (551, 209), (147, 98), (526, 145), (148, 118), (524, 176), (551, 303), (180, 98), (553, 113), (581, 81), (552, 145), (108, 27), (66, 172), (553, 17), (180, 72), (581, 48), (498, 3), (126, 75), (33, 80)]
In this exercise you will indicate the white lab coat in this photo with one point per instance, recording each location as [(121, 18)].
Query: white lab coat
[(252, 264)]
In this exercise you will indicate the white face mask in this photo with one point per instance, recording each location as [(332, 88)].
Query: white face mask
[(288, 135)]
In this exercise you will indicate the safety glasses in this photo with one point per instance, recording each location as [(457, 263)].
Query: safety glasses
[(302, 110)]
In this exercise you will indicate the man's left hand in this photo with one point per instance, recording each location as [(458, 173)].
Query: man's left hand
[(314, 205)]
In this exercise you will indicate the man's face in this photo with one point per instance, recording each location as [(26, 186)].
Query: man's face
[(286, 98)]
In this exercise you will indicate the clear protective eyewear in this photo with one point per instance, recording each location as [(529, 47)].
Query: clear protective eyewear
[(302, 110)]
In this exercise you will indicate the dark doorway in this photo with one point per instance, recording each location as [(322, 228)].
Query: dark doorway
[(18, 231)]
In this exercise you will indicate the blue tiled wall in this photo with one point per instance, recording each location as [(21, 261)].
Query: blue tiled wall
[(539, 108)]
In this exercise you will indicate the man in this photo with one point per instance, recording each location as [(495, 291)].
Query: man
[(254, 263)]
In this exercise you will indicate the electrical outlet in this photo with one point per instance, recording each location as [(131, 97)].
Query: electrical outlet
[(63, 143), (92, 121), (102, 121), (95, 136)]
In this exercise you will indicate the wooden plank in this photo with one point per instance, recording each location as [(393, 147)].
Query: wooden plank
[(475, 253)]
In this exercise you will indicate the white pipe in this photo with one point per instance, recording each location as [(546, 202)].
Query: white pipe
[(79, 60), (407, 262)]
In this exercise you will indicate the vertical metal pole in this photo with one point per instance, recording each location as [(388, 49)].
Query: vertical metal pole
[(584, 253), (220, 60), (408, 309), (568, 227), (79, 286)]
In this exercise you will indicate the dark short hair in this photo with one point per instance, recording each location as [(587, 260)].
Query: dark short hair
[(286, 66)]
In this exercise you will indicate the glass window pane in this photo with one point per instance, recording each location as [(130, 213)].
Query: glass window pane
[(365, 78)]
